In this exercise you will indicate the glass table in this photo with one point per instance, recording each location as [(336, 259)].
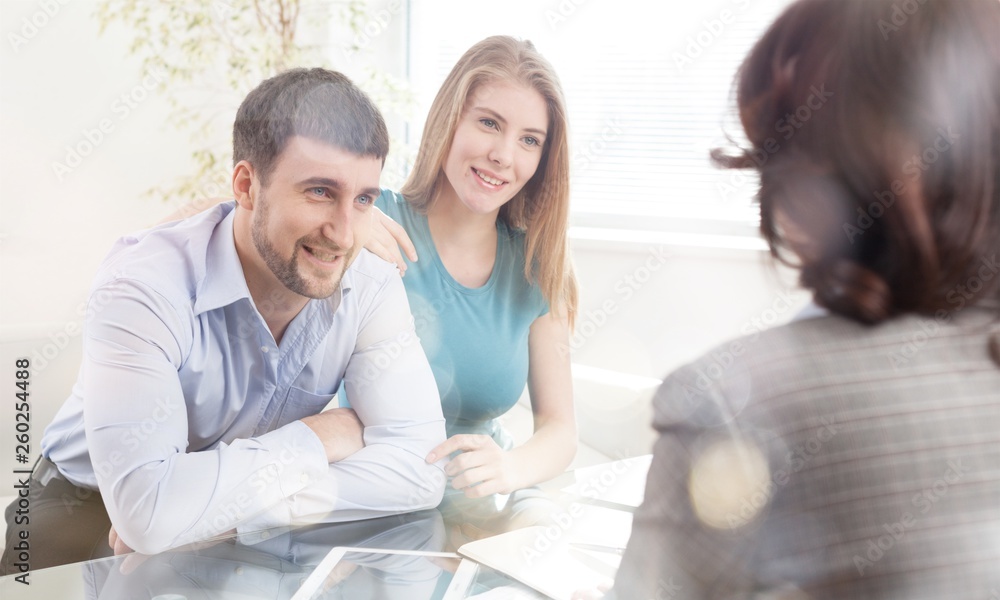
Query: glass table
[(411, 556)]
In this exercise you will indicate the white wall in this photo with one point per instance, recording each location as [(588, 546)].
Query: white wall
[(672, 303), (56, 89), (59, 82)]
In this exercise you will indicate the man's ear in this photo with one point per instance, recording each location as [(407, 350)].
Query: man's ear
[(244, 185)]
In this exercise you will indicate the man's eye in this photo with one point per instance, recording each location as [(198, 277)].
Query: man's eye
[(318, 191), (366, 200)]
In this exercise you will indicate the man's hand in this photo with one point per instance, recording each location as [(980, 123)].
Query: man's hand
[(340, 430), (389, 241), (117, 544), (130, 562)]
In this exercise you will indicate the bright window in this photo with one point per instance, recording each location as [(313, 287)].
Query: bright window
[(649, 93)]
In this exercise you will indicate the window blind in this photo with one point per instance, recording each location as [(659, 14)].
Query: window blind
[(649, 93)]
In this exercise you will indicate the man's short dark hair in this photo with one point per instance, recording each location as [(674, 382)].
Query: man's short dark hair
[(315, 103)]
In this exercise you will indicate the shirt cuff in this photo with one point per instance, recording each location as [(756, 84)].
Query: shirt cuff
[(299, 460)]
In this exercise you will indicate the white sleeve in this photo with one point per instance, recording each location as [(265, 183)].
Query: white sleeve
[(159, 495), (392, 388)]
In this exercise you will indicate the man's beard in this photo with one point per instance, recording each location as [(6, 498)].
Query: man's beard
[(287, 271)]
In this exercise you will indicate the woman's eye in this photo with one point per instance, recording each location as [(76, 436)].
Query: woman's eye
[(489, 123), (531, 141)]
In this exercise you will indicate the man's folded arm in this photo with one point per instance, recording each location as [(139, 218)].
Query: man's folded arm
[(159, 494), (391, 387)]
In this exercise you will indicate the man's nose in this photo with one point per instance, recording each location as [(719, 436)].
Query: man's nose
[(339, 227)]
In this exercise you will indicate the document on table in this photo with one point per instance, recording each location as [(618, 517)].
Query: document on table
[(619, 484), (544, 561)]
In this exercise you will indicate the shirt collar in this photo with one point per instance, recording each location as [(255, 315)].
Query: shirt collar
[(222, 281)]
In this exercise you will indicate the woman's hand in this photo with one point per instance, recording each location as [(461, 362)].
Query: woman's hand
[(483, 468), (389, 241)]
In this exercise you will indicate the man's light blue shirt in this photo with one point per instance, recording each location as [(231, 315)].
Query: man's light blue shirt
[(186, 413)]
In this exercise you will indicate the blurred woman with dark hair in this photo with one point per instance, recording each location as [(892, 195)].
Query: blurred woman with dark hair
[(855, 454)]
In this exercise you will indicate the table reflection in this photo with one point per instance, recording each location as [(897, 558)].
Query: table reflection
[(276, 564)]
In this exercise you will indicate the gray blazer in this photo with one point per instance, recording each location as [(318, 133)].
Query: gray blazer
[(828, 459)]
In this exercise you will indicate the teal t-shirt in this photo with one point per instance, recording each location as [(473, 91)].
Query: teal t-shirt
[(476, 339)]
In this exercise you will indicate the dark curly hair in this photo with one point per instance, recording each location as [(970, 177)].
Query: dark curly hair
[(875, 127)]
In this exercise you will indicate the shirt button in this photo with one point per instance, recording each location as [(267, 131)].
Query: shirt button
[(263, 349), (304, 478), (239, 570)]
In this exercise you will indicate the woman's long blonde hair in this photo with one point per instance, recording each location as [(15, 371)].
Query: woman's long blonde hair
[(541, 208)]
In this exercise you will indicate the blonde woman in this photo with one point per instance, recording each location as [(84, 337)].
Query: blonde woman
[(493, 293)]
